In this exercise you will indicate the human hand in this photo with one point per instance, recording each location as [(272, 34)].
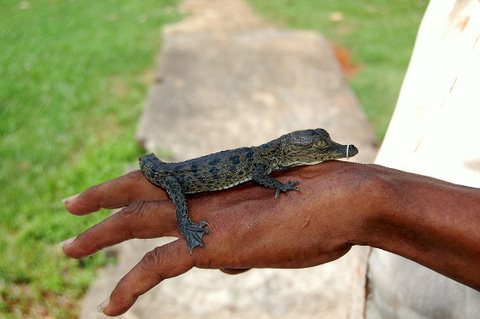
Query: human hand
[(248, 227)]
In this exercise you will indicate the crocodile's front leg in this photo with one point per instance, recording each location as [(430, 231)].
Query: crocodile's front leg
[(260, 175), (192, 232)]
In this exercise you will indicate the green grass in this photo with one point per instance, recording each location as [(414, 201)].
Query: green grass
[(379, 35), (73, 79)]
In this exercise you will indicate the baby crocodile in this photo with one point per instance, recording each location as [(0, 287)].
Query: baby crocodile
[(232, 167)]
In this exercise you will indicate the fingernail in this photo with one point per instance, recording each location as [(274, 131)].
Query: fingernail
[(69, 198), (103, 305), (67, 242)]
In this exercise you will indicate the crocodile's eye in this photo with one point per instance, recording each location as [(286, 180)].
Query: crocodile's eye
[(321, 144)]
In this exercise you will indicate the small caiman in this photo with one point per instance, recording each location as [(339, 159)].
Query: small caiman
[(229, 168)]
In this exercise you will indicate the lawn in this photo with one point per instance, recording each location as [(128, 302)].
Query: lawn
[(73, 80), (377, 34)]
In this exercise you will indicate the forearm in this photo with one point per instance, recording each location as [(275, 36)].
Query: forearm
[(434, 223)]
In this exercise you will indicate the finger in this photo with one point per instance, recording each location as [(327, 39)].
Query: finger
[(138, 220), (163, 262), (115, 193)]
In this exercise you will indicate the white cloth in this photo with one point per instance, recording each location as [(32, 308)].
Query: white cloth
[(435, 131)]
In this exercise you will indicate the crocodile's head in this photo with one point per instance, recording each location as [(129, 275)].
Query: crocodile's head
[(308, 147)]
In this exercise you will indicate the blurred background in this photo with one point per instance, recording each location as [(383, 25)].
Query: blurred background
[(74, 77)]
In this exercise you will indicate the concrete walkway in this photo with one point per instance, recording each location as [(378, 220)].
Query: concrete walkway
[(228, 79)]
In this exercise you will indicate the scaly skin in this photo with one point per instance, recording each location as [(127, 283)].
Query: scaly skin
[(226, 169)]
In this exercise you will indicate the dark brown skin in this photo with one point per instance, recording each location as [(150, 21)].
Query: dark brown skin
[(339, 204)]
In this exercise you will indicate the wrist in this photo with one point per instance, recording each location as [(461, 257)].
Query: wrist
[(378, 197)]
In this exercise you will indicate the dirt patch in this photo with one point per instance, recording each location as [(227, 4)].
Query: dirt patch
[(344, 58)]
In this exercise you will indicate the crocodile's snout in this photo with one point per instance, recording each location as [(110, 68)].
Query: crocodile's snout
[(351, 150)]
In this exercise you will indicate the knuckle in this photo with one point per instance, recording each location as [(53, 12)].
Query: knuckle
[(135, 177), (138, 207), (135, 210), (152, 261), (93, 191), (131, 216)]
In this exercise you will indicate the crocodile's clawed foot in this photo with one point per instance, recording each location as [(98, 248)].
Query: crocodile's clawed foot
[(285, 187), (193, 233)]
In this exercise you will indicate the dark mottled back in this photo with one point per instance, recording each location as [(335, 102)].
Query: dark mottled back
[(232, 167)]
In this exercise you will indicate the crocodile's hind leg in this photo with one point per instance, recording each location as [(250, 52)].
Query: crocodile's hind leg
[(192, 232)]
